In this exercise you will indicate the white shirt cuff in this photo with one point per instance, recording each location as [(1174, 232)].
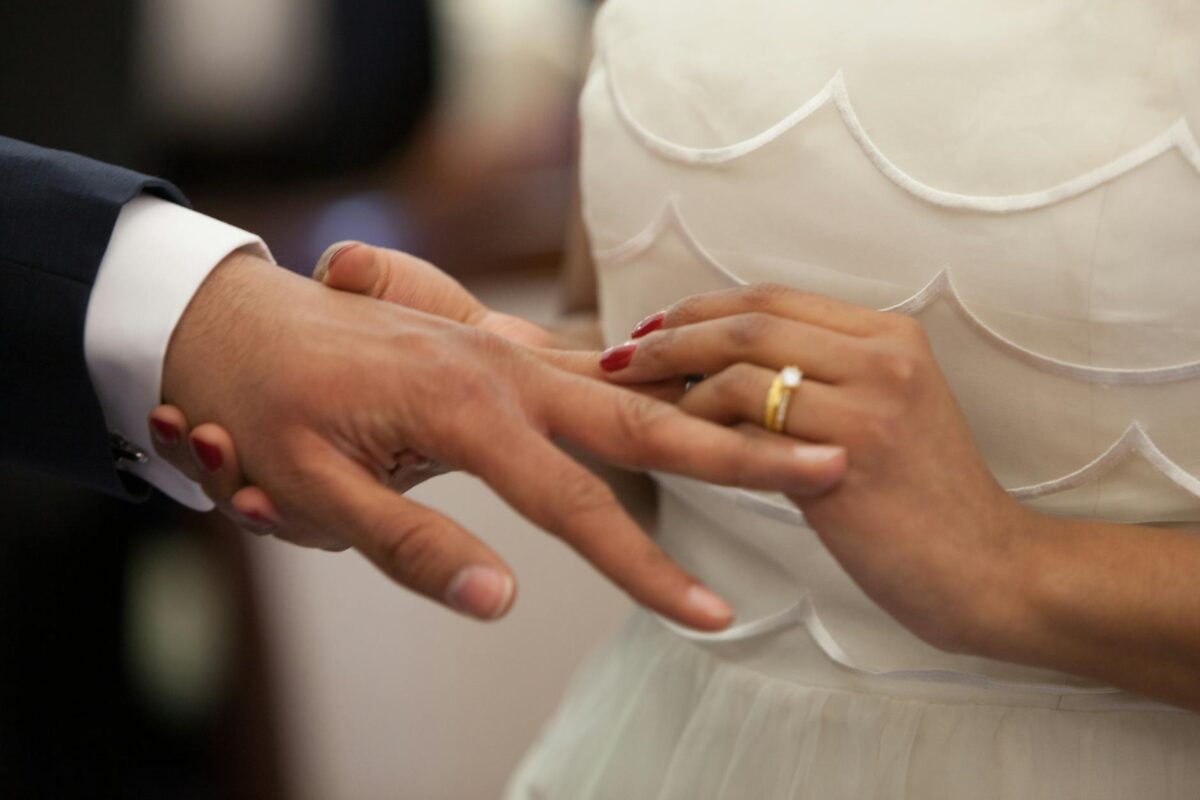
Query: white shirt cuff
[(158, 256)]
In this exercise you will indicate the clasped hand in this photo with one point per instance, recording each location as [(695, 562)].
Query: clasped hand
[(325, 391)]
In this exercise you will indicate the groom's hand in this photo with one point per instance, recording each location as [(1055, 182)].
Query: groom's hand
[(321, 389), (405, 280), (394, 277)]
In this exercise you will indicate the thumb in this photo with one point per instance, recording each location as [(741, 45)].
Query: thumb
[(406, 280), (414, 545), (358, 273), (399, 278), (515, 329)]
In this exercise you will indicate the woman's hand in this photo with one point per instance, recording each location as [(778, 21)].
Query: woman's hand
[(918, 521)]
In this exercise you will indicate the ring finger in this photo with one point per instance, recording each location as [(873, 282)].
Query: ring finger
[(738, 394)]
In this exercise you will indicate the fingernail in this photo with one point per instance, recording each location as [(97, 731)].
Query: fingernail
[(709, 604), (818, 453), (256, 522), (649, 325), (482, 592), (615, 358), (330, 255), (209, 455), (163, 432)]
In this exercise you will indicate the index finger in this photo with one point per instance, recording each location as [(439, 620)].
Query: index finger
[(421, 549), (641, 432), (586, 364), (559, 495), (779, 301)]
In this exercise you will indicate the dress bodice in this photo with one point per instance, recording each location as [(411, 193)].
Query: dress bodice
[(1022, 177)]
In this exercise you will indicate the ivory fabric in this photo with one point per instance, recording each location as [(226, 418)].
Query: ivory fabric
[(1023, 178)]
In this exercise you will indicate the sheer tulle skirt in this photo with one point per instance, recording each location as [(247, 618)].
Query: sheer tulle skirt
[(653, 716)]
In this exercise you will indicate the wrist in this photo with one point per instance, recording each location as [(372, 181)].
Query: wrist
[(1009, 612), (209, 322)]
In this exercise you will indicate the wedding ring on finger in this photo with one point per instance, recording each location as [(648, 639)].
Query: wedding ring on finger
[(779, 398)]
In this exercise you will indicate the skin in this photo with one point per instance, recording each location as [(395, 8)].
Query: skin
[(918, 506), (324, 391), (397, 278)]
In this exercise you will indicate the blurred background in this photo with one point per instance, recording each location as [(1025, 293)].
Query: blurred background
[(147, 652)]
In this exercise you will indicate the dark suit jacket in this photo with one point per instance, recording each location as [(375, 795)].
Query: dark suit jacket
[(57, 212)]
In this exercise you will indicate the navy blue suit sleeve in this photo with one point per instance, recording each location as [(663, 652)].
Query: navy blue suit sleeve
[(57, 212)]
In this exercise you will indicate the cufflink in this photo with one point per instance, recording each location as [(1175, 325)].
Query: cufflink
[(124, 452)]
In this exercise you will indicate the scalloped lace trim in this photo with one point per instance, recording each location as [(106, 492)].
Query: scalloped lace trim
[(1134, 441), (941, 286), (802, 613), (1178, 136)]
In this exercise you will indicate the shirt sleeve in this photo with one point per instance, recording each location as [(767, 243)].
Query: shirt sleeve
[(158, 256)]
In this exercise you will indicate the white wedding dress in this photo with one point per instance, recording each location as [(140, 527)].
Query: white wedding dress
[(1022, 176)]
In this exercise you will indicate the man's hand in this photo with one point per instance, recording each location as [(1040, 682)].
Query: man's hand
[(412, 282), (208, 454), (322, 389)]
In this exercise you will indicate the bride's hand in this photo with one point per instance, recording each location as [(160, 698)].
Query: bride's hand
[(918, 521)]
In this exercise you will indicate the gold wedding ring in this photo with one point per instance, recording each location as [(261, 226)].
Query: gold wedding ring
[(779, 397)]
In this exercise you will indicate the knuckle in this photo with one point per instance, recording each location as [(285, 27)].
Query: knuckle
[(455, 426), (744, 464), (636, 417), (489, 355), (748, 330), (383, 286), (896, 368), (731, 386), (473, 388), (579, 498), (410, 548), (741, 374), (657, 350), (904, 328), (765, 296), (684, 312), (290, 465)]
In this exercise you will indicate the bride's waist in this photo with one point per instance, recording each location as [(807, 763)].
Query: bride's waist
[(800, 615)]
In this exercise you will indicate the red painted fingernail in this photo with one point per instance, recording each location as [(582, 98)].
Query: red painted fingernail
[(615, 358), (208, 454), (164, 432), (649, 325)]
